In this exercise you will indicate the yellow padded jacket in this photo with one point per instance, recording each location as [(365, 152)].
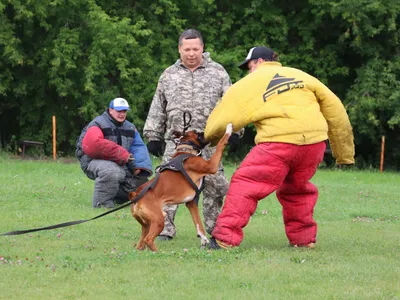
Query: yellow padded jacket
[(286, 105)]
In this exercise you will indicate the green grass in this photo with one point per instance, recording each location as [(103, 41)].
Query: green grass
[(357, 254)]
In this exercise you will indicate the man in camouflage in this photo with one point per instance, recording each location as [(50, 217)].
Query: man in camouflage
[(193, 84)]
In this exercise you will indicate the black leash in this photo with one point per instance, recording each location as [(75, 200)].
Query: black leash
[(136, 199), (186, 123), (66, 223)]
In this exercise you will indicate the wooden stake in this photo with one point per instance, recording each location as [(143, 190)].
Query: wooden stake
[(382, 153), (54, 138)]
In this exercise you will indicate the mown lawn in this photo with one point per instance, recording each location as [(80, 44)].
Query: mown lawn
[(357, 254)]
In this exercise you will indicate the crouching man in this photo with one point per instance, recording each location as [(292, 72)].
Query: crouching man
[(112, 153)]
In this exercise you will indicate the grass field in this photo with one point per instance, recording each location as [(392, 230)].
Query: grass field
[(357, 254)]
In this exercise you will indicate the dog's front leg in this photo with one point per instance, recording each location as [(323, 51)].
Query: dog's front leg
[(203, 239), (216, 157), (198, 224)]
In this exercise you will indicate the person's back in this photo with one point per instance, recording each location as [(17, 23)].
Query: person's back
[(282, 101), (285, 104), (294, 114)]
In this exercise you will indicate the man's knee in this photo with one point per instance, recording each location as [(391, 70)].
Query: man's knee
[(215, 189), (112, 173), (106, 169)]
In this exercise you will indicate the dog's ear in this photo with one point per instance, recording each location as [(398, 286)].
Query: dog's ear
[(132, 195), (176, 137), (177, 134)]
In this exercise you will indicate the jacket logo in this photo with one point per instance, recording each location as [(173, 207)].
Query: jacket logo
[(280, 84)]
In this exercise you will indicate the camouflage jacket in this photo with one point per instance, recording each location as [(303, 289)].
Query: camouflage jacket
[(179, 90)]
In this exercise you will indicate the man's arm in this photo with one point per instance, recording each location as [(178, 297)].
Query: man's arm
[(96, 146), (226, 82), (234, 140), (141, 158), (154, 128), (233, 109), (340, 132)]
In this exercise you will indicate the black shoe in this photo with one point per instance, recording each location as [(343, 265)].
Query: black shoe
[(120, 201), (213, 245), (164, 238), (108, 205)]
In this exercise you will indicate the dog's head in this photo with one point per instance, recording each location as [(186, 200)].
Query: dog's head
[(190, 138)]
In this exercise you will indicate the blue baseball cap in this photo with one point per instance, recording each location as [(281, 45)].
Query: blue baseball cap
[(119, 104)]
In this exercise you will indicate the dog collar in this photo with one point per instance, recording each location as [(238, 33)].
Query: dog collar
[(187, 149)]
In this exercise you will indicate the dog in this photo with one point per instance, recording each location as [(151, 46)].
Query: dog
[(173, 187)]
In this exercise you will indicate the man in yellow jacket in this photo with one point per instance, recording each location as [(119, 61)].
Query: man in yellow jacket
[(294, 114)]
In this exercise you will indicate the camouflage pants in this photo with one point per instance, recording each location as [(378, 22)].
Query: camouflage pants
[(111, 183), (215, 188)]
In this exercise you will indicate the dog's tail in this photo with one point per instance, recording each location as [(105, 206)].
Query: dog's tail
[(141, 190)]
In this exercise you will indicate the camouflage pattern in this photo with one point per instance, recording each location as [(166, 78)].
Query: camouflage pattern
[(179, 90)]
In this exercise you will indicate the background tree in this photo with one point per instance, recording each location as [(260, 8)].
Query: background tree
[(71, 58)]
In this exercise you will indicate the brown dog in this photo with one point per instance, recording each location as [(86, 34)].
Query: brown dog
[(171, 187)]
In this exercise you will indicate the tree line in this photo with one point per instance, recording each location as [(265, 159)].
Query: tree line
[(70, 58)]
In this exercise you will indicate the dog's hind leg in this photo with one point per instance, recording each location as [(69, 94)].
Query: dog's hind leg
[(145, 232), (156, 226), (198, 224), (139, 214)]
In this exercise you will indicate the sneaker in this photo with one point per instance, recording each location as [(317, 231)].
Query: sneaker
[(217, 244), (120, 201), (310, 246), (213, 245), (164, 238), (109, 205)]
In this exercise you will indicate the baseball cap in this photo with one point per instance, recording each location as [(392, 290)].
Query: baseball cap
[(256, 53), (119, 104)]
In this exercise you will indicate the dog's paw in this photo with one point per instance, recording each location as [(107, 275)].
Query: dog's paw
[(229, 129), (204, 243)]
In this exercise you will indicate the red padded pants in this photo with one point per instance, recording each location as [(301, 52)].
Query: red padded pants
[(284, 168)]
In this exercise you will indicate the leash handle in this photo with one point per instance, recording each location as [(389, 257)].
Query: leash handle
[(186, 124)]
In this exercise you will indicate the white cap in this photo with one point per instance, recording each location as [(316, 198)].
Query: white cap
[(119, 104)]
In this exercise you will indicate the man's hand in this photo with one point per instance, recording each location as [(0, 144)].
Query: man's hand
[(156, 148), (233, 142), (130, 164), (140, 178)]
